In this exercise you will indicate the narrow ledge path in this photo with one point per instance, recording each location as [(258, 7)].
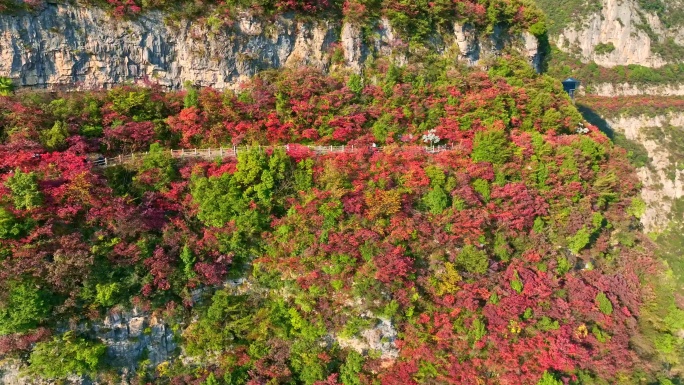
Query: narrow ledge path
[(231, 152)]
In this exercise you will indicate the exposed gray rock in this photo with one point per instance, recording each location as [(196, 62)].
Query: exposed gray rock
[(74, 47), (627, 89), (620, 23), (380, 338), (132, 335), (352, 44), (466, 39), (661, 184)]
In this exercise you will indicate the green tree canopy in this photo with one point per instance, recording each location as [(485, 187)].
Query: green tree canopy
[(23, 309), (491, 146), (66, 355), (25, 193)]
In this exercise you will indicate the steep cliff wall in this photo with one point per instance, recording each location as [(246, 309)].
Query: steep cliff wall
[(134, 339), (663, 177), (627, 89), (75, 47), (621, 33), (613, 33)]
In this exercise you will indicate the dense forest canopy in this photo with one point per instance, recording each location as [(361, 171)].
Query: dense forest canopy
[(514, 257)]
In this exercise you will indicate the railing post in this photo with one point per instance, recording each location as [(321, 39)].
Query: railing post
[(195, 152), (182, 152), (105, 161), (120, 158), (221, 151), (209, 149)]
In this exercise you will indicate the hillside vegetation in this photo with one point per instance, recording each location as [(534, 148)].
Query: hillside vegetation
[(513, 258)]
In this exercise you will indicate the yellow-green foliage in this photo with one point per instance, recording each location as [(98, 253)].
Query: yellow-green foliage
[(604, 303), (66, 355)]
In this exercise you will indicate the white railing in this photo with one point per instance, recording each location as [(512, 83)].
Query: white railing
[(231, 152)]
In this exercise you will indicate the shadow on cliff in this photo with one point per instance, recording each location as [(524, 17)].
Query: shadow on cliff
[(592, 117), (545, 51), (636, 152)]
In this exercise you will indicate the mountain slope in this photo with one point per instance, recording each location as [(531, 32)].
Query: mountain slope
[(513, 255)]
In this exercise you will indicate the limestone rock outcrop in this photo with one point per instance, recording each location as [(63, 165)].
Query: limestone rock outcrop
[(74, 47), (663, 181), (621, 29), (380, 338), (627, 89), (130, 335), (132, 338)]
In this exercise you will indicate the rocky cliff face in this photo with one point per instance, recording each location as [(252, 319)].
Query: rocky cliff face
[(133, 338), (617, 35), (130, 335), (624, 33), (74, 47), (627, 89), (663, 178)]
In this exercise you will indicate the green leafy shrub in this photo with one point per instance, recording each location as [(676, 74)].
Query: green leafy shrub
[(10, 226), (579, 241), (105, 294), (157, 171), (482, 187), (600, 335), (549, 379), (6, 86), (349, 373), (25, 193), (490, 146), (24, 308), (604, 303), (226, 323), (473, 260), (477, 330), (637, 207), (355, 83), (436, 200), (516, 283), (604, 48), (546, 324), (55, 138), (66, 355)]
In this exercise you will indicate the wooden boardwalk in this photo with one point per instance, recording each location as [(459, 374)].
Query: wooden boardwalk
[(231, 152)]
